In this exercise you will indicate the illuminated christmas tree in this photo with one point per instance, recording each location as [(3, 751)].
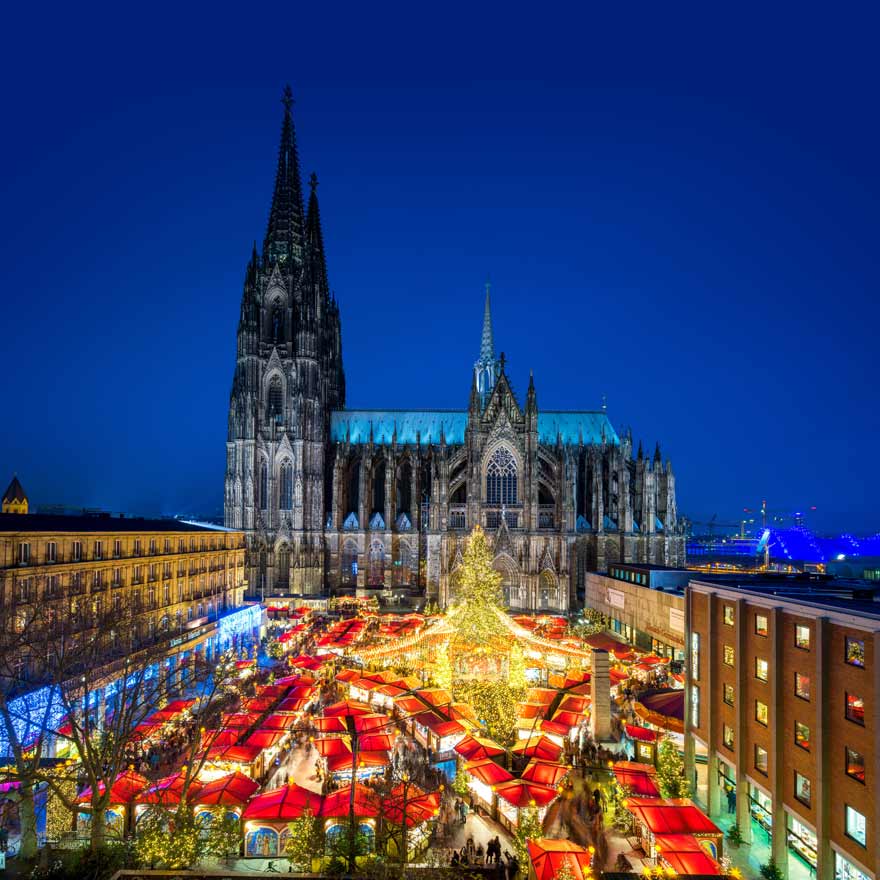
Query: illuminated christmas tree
[(516, 669), (670, 771)]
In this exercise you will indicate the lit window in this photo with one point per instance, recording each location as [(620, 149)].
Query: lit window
[(802, 788), (761, 760), (761, 625), (51, 551), (856, 827), (802, 637), (729, 655), (846, 870), (77, 551), (728, 694), (761, 669), (728, 736), (802, 736), (728, 615), (99, 550), (855, 709), (24, 553), (855, 652), (802, 686), (855, 765), (762, 715)]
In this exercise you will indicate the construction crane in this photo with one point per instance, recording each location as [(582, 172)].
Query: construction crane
[(712, 524)]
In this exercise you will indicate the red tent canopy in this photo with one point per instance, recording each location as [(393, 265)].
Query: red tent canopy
[(568, 718), (488, 772), (293, 704), (214, 737), (179, 705), (557, 728), (162, 716), (548, 856), (419, 807), (617, 676), (669, 703), (347, 707), (283, 804), (638, 779), (366, 802), (651, 659), (542, 696), (643, 734), (604, 642), (522, 793), (574, 703), (544, 772), (329, 746), (306, 662), (237, 754), (671, 816), (475, 748), (168, 791), (287, 681), (264, 738), (377, 742), (538, 747), (144, 730), (232, 790), (438, 725), (528, 711), (239, 719), (683, 853), (435, 696), (347, 675), (128, 784)]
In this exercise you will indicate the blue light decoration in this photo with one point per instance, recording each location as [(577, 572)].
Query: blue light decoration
[(239, 623), (28, 713)]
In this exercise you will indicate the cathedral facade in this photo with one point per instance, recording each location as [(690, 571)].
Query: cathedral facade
[(335, 498)]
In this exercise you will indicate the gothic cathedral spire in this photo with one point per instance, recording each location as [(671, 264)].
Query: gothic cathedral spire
[(284, 234), (315, 239), (486, 368)]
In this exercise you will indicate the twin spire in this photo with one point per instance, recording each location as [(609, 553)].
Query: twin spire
[(487, 369), (284, 234)]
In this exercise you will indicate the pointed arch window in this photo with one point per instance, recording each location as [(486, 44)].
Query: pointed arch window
[(501, 478), (275, 401), (286, 493), (276, 326), (264, 486)]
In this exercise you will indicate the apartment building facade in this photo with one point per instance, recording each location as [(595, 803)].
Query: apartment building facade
[(782, 721)]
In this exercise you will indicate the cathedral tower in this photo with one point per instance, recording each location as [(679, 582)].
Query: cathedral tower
[(288, 377)]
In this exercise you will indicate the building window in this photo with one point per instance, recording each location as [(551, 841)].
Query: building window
[(99, 549), (695, 705), (855, 826), (761, 760), (762, 715), (137, 546), (286, 487), (501, 478), (51, 552), (264, 489), (802, 736), (802, 685), (728, 615), (802, 789), (761, 669), (846, 870), (728, 694), (695, 656), (802, 637), (855, 765), (729, 655), (24, 553), (77, 551), (762, 628), (855, 652), (727, 737), (855, 709), (117, 548)]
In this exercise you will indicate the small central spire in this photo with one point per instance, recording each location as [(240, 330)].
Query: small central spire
[(486, 369), (487, 342)]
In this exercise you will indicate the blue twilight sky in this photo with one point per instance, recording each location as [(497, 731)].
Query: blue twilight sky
[(677, 212)]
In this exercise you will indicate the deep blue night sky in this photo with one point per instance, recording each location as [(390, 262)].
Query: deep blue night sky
[(678, 214)]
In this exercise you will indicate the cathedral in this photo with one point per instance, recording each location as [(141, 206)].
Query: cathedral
[(337, 499)]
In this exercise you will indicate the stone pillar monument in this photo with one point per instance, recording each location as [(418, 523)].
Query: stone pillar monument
[(600, 685)]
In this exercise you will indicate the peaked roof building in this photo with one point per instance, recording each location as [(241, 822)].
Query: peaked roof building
[(337, 498), (14, 498)]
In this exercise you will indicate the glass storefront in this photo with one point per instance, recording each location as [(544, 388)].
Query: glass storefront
[(761, 809), (802, 842), (844, 869)]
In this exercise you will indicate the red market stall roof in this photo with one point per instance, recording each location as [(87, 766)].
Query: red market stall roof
[(237, 754), (557, 728), (488, 772), (435, 696), (569, 719), (162, 716), (128, 784), (643, 734), (530, 710), (366, 802), (667, 702), (168, 791), (538, 747), (476, 748), (348, 707), (245, 664), (544, 772), (145, 730), (542, 696), (278, 721), (575, 703), (232, 790), (683, 853), (604, 642), (638, 779), (239, 719), (283, 804), (214, 737), (548, 856), (377, 742), (522, 793), (623, 655), (409, 704), (327, 747), (306, 662), (419, 806), (651, 660), (287, 681), (617, 676), (438, 725), (671, 816), (257, 704), (179, 705), (362, 723), (265, 738), (340, 763), (293, 704)]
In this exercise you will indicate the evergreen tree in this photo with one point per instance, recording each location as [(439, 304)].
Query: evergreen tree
[(516, 672), (528, 828), (305, 842), (770, 870), (443, 669), (670, 771)]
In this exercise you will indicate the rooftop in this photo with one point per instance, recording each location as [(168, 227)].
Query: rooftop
[(55, 523)]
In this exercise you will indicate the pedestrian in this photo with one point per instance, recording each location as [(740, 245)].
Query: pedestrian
[(731, 799)]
